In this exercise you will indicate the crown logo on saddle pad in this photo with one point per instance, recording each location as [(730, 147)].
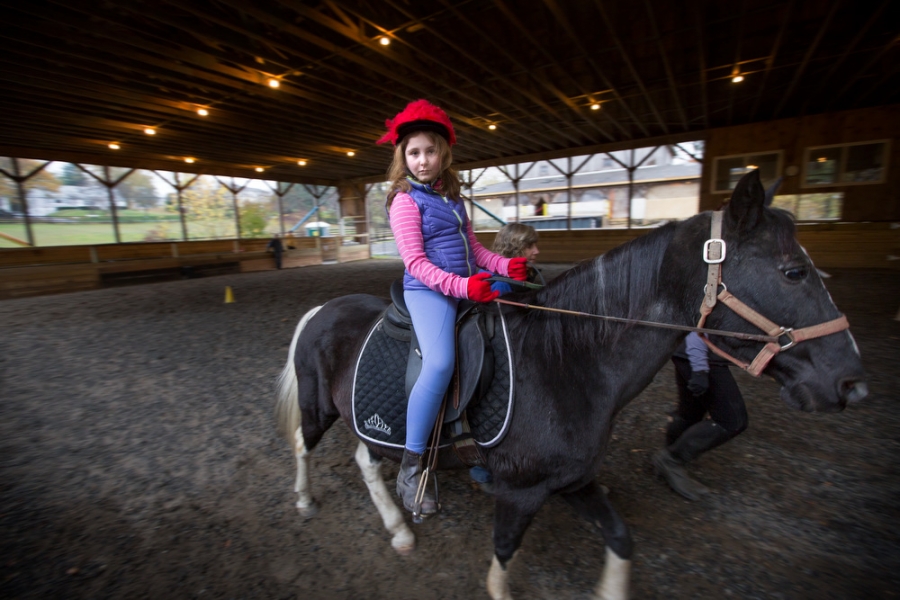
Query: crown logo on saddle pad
[(377, 423)]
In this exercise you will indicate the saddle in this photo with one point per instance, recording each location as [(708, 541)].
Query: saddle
[(478, 407), (474, 356)]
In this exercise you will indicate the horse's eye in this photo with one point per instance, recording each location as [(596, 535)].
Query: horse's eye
[(796, 273)]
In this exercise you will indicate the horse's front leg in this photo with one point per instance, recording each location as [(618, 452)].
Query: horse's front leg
[(591, 503), (513, 512), (404, 541)]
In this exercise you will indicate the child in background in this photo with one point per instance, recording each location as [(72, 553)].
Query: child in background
[(517, 240)]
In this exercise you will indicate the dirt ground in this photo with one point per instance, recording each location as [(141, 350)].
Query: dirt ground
[(139, 460)]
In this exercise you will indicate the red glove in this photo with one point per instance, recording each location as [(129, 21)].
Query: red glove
[(517, 268), (478, 289)]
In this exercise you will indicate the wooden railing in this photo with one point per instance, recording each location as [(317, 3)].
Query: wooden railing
[(47, 270), (830, 245)]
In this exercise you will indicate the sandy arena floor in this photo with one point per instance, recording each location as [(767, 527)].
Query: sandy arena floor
[(139, 460)]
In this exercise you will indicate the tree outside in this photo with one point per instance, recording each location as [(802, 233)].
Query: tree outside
[(209, 211), (138, 190)]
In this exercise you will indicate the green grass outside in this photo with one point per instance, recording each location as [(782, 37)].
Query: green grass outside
[(85, 234)]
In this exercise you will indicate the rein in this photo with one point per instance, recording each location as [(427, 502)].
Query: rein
[(743, 336), (714, 255)]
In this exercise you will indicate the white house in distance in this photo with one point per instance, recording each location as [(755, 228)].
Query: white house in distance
[(666, 186), (42, 203)]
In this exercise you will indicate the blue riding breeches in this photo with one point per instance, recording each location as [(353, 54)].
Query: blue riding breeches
[(434, 319)]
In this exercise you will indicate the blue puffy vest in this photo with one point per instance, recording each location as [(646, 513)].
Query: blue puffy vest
[(445, 233)]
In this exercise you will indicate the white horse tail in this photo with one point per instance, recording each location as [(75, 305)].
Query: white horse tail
[(287, 406)]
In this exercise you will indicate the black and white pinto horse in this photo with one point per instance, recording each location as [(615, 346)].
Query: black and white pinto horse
[(573, 375)]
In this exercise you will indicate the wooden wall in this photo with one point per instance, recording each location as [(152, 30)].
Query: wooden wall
[(36, 271), (878, 202), (830, 245)]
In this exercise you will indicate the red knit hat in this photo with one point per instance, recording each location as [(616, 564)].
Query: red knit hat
[(419, 115)]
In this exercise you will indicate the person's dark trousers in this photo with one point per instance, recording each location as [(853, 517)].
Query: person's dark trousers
[(722, 401), (689, 435)]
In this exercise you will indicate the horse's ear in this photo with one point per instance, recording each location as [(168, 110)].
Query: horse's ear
[(770, 193), (744, 210)]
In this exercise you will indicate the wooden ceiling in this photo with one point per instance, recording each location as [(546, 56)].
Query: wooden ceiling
[(79, 74)]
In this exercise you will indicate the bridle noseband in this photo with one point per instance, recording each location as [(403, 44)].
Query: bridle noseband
[(714, 255)]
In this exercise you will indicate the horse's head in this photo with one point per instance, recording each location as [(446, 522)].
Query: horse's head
[(766, 268)]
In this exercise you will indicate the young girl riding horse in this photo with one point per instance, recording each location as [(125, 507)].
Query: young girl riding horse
[(441, 255)]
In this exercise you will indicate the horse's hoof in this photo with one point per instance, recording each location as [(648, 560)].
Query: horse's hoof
[(307, 512), (404, 543)]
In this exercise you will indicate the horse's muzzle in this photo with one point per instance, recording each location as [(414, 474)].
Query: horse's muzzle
[(852, 389), (802, 397)]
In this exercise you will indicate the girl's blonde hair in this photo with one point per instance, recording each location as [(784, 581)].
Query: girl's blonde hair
[(398, 172), (513, 239)]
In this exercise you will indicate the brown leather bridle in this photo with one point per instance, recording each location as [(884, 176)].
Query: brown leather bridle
[(714, 255)]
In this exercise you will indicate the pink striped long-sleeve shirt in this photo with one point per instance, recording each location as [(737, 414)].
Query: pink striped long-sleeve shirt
[(406, 223)]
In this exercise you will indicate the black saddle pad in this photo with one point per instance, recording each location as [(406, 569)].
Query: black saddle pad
[(379, 394)]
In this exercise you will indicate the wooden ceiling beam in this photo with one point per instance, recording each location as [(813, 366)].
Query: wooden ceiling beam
[(773, 54), (701, 56), (388, 74), (738, 37), (502, 116), (824, 82), (566, 100), (87, 158), (875, 58), (563, 21), (495, 91), (664, 58), (811, 49), (93, 128), (169, 109), (623, 55), (394, 56)]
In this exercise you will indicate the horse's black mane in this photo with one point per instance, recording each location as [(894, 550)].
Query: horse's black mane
[(620, 283)]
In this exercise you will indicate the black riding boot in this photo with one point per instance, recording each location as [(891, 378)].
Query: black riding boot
[(408, 482), (697, 439)]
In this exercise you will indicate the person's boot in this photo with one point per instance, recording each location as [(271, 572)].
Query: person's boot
[(697, 439), (408, 483)]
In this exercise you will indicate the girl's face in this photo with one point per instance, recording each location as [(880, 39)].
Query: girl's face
[(423, 158), (531, 252)]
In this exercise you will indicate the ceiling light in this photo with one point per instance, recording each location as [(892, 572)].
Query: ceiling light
[(190, 160), (384, 41), (595, 106), (202, 112), (259, 169), (492, 126), (302, 163), (821, 159), (351, 153), (114, 146), (273, 83), (751, 167), (737, 78), (150, 131)]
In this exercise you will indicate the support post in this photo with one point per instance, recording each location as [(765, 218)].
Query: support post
[(235, 190), (23, 198), (110, 185), (179, 188)]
